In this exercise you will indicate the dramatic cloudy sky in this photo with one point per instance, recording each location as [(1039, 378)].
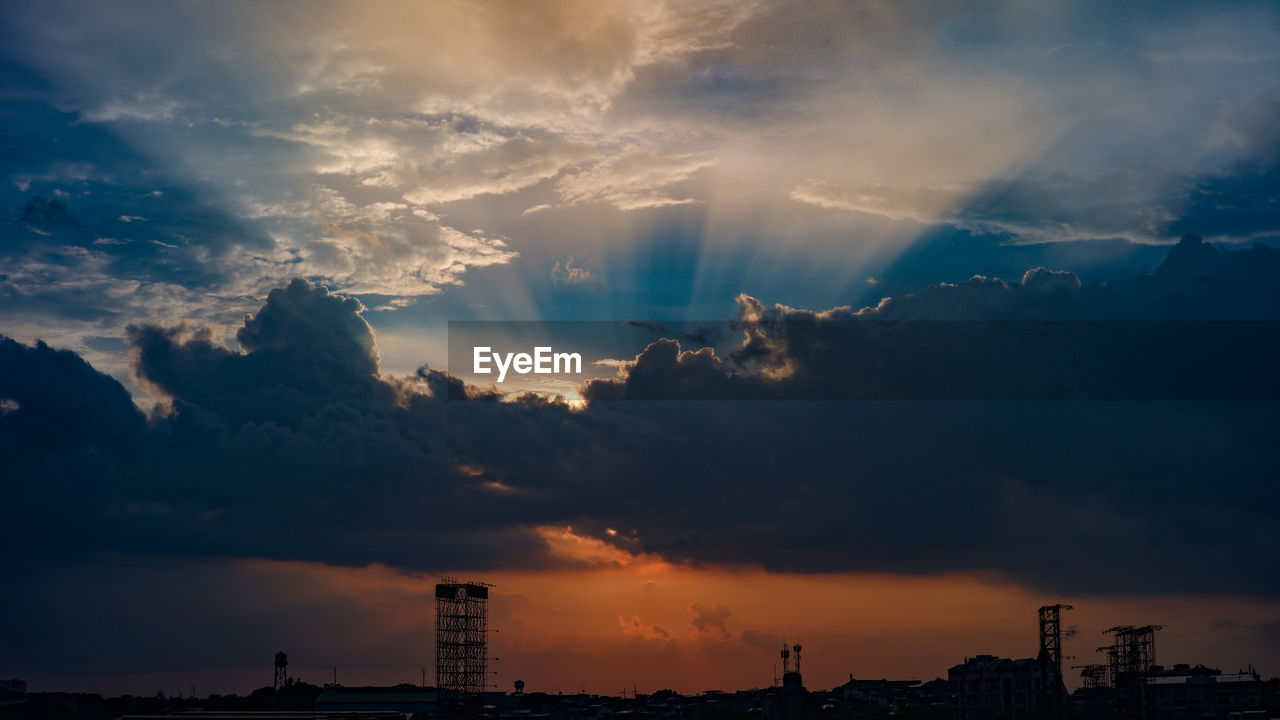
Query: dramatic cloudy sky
[(233, 235)]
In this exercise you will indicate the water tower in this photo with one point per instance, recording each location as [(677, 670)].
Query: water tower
[(282, 663)]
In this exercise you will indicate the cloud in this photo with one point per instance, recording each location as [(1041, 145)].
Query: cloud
[(634, 181), (665, 371), (139, 108), (67, 433), (635, 627), (1195, 281), (565, 273), (917, 204), (1048, 336), (706, 618), (498, 167), (47, 215), (305, 349), (732, 125), (763, 641), (1255, 125), (58, 402), (305, 318), (1227, 202), (294, 447)]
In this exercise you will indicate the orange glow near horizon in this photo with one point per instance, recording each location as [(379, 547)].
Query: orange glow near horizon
[(635, 621)]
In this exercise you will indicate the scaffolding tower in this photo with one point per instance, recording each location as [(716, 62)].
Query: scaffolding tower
[(1093, 675), (1051, 659), (1129, 661), (462, 618)]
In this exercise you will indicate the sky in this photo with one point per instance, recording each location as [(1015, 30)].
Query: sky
[(232, 420)]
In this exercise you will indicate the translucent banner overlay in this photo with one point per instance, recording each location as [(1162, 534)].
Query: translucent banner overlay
[(871, 360)]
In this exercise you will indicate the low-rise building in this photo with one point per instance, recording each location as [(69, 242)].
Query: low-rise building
[(1184, 692), (986, 687)]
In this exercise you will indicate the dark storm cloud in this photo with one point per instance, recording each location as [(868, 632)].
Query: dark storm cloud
[(64, 405), (965, 483), (68, 434), (297, 449), (1046, 337), (306, 350)]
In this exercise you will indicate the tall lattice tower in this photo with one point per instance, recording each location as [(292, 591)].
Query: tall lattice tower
[(462, 618), (1051, 659)]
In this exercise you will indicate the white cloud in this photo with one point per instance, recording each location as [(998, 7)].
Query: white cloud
[(918, 204), (640, 179), (402, 122), (146, 107)]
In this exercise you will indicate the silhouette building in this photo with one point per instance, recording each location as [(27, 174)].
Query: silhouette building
[(1200, 692), (791, 677), (987, 687)]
